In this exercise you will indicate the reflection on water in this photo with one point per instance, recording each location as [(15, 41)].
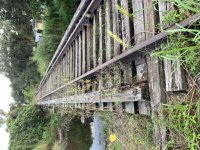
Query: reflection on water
[(97, 134), (87, 136)]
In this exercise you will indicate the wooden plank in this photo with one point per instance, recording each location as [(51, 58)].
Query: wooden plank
[(149, 18), (64, 68), (155, 78), (144, 107), (107, 29), (127, 73), (70, 63), (100, 35), (80, 55), (138, 21), (67, 66), (125, 25), (115, 16), (141, 72), (129, 107), (164, 6), (76, 57), (129, 95), (88, 30), (174, 76), (84, 51), (94, 42), (73, 59)]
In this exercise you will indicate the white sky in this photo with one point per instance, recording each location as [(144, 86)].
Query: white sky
[(5, 100)]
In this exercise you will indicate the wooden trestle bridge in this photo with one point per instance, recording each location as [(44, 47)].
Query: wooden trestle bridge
[(103, 61)]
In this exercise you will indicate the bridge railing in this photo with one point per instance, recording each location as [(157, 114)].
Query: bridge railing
[(106, 48)]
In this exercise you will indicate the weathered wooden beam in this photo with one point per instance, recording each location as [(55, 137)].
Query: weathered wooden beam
[(76, 58), (100, 35), (79, 55), (115, 16), (174, 73), (94, 58), (84, 51), (174, 76), (155, 78), (129, 107), (88, 47), (107, 29), (139, 29), (96, 97), (125, 25)]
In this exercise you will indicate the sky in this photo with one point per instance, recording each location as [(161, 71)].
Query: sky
[(5, 100)]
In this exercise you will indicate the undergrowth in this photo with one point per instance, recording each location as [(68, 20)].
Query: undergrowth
[(182, 118)]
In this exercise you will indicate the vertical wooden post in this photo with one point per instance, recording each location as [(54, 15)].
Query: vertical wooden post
[(79, 55), (138, 21), (94, 42), (76, 57), (174, 73), (115, 16), (88, 46), (100, 35), (71, 63), (125, 25), (157, 95), (83, 48), (107, 29), (73, 60)]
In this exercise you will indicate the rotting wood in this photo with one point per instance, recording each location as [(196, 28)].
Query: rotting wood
[(138, 21), (88, 46), (76, 58), (174, 76), (130, 95), (100, 35), (174, 73), (149, 19), (79, 55), (94, 58), (155, 78), (115, 16), (84, 51), (107, 29), (125, 25)]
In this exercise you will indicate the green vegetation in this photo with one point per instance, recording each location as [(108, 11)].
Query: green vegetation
[(131, 131), (57, 16), (32, 127), (182, 113), (26, 127)]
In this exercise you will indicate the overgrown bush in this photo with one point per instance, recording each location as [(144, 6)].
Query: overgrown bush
[(26, 130)]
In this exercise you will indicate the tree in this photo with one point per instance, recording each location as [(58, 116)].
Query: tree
[(2, 117)]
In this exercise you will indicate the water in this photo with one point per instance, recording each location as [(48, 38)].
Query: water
[(97, 134), (87, 136)]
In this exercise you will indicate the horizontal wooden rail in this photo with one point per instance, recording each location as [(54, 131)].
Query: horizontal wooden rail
[(147, 45)]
